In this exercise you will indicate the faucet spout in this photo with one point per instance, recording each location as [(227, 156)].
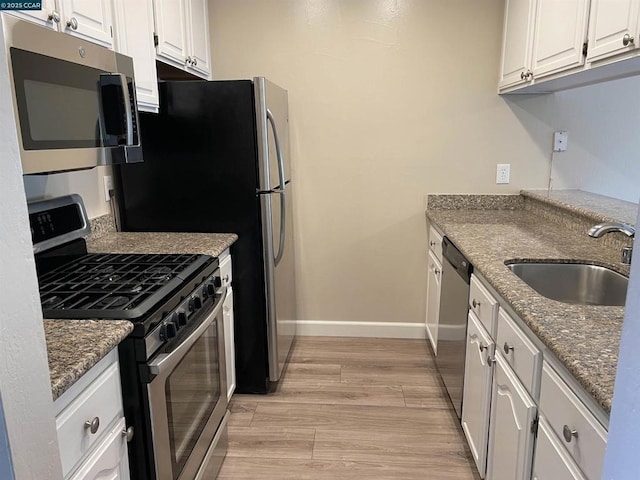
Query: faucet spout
[(601, 229)]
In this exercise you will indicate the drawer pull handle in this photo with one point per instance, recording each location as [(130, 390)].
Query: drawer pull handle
[(128, 433), (507, 348), (475, 303), (568, 433), (92, 425)]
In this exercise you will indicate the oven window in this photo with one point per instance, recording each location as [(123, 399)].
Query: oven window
[(192, 392)]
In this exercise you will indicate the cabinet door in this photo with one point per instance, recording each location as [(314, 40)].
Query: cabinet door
[(88, 19), (434, 285), (41, 17), (511, 438), (170, 28), (134, 37), (109, 461), (229, 342), (609, 22), (476, 401), (552, 462), (198, 23), (560, 33), (517, 40)]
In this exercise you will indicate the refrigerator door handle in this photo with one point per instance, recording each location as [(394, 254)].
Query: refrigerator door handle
[(281, 191)]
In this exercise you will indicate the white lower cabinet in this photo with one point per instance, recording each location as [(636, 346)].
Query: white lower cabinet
[(92, 434), (434, 286), (229, 342), (109, 460), (478, 373), (552, 462), (512, 426)]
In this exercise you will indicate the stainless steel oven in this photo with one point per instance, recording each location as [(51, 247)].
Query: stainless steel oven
[(74, 101), (187, 399)]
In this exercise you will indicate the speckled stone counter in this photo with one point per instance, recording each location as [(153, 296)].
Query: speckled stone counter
[(150, 242), (74, 346), (584, 338)]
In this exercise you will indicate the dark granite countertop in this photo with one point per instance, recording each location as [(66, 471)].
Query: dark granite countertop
[(151, 242), (584, 338), (74, 346)]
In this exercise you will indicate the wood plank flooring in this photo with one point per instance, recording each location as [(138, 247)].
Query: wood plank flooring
[(353, 408)]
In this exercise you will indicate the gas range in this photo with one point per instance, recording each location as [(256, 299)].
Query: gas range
[(175, 304)]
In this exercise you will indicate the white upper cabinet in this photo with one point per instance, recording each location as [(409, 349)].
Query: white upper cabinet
[(198, 16), (134, 37), (613, 28), (559, 37), (88, 19), (516, 42), (182, 27), (170, 28), (48, 17)]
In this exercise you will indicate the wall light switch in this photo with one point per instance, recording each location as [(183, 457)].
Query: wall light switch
[(108, 187), (560, 141), (503, 171)]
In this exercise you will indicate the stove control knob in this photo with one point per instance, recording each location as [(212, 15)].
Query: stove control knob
[(217, 282), (195, 303), (211, 288), (180, 319), (168, 330)]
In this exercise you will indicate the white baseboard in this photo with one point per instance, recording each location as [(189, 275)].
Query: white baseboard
[(325, 328)]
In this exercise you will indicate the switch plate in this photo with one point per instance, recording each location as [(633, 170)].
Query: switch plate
[(560, 141), (108, 186), (503, 171)]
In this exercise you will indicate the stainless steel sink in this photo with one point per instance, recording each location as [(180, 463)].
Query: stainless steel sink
[(576, 283)]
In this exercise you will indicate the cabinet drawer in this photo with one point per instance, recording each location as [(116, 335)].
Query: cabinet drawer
[(552, 461), (562, 408), (102, 399), (225, 269), (483, 305), (435, 243), (520, 353)]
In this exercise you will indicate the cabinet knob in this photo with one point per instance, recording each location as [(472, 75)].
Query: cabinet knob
[(507, 348), (195, 62), (92, 425), (54, 17), (437, 271), (128, 433), (432, 243), (482, 347), (491, 361), (523, 75), (529, 75), (188, 61), (628, 40), (475, 303), (569, 433), (72, 23)]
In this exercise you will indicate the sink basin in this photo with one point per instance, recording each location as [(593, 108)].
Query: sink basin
[(576, 283)]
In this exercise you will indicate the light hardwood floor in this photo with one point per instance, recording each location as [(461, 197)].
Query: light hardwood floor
[(353, 408)]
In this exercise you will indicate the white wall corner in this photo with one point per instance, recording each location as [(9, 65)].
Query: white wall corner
[(28, 424)]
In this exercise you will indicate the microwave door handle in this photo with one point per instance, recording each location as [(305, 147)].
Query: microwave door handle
[(119, 80), (165, 362)]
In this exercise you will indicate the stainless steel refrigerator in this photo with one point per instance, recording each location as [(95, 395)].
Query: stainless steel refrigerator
[(216, 160)]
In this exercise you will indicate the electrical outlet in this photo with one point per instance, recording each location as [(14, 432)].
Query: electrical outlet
[(560, 141), (503, 171), (108, 187)]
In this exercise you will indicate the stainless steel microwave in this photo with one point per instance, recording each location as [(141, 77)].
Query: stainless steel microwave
[(74, 101)]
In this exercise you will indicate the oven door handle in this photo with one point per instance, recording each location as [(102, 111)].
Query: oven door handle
[(166, 362)]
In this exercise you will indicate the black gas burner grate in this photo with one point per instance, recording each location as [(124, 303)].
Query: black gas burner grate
[(113, 285)]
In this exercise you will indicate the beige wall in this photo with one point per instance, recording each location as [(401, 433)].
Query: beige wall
[(389, 101)]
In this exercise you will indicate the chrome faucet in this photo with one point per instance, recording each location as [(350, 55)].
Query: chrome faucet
[(601, 229)]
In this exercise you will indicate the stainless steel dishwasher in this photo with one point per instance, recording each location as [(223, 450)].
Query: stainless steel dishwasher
[(452, 322)]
